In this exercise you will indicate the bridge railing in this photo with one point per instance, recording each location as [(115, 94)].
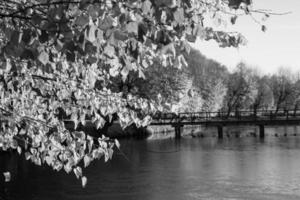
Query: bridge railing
[(236, 115)]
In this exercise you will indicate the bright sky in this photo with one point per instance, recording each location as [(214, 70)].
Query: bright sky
[(278, 46)]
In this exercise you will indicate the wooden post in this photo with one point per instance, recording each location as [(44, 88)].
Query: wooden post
[(220, 131), (261, 131), (178, 130)]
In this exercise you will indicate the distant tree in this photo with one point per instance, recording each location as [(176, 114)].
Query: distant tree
[(190, 99), (208, 78), (163, 81), (202, 69), (282, 87), (293, 101), (264, 98), (242, 89), (214, 96)]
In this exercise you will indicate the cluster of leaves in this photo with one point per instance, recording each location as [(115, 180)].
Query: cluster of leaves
[(65, 55)]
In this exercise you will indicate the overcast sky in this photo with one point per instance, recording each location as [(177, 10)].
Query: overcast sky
[(278, 46)]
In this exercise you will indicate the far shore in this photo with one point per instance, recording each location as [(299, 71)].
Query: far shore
[(161, 132)]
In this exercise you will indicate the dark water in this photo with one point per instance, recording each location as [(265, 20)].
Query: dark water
[(207, 168)]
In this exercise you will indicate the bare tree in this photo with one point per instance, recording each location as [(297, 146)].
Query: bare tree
[(282, 87), (242, 89)]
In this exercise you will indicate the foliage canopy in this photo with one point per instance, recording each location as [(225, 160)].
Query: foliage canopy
[(65, 55)]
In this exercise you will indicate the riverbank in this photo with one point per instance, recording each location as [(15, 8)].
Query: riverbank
[(161, 132), (114, 130)]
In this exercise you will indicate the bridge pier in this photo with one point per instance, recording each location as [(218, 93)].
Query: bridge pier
[(261, 131), (177, 130), (220, 131)]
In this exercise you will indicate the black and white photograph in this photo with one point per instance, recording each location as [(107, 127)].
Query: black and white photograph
[(149, 100)]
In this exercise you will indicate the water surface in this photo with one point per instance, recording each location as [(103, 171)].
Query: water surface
[(192, 168)]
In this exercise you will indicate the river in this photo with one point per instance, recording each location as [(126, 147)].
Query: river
[(186, 169)]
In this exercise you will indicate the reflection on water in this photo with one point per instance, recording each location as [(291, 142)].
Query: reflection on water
[(198, 168), (229, 131)]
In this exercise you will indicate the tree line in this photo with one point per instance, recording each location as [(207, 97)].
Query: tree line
[(212, 88)]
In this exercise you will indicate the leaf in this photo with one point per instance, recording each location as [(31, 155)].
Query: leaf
[(82, 20), (58, 45), (108, 4), (114, 71), (124, 73), (169, 49), (7, 176), (110, 153), (78, 172), (109, 51), (179, 16), (8, 66), (100, 122), (90, 143), (96, 154), (20, 37), (67, 168), (102, 143), (83, 181), (82, 119), (49, 160), (22, 132), (146, 121), (27, 156), (36, 19), (38, 161), (57, 166), (74, 118), (132, 27), (141, 74), (146, 7), (110, 117), (43, 57), (190, 93), (90, 33), (87, 160), (144, 63), (106, 23), (168, 3), (19, 150), (120, 35), (106, 156), (99, 35), (117, 143), (92, 78), (94, 11)]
